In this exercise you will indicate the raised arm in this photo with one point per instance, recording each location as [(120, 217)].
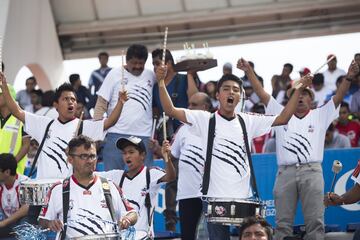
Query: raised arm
[(115, 114), (25, 145), (344, 85), (10, 102), (290, 107), (255, 83), (165, 99), (191, 89), (101, 107)]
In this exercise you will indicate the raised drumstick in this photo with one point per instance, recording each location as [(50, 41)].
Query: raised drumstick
[(153, 128), (336, 168), (122, 71), (299, 85), (78, 125), (164, 46), (164, 126), (1, 41)]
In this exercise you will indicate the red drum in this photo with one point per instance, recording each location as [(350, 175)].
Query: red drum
[(233, 211)]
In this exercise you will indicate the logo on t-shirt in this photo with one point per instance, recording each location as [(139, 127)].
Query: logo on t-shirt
[(311, 128)]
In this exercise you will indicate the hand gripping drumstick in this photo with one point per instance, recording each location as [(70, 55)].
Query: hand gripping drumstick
[(336, 168), (79, 123), (299, 85)]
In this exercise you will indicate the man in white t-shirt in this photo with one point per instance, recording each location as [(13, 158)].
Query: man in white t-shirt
[(140, 183), (187, 148), (92, 205), (52, 159), (136, 119), (11, 211), (332, 73), (229, 161), (299, 152)]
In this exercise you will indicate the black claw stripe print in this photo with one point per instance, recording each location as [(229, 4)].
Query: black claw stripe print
[(233, 154), (193, 156), (299, 146), (56, 152), (142, 96), (88, 225)]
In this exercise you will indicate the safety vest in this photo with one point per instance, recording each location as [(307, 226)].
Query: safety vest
[(11, 140)]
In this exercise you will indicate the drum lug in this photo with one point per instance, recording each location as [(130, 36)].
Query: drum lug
[(232, 210)]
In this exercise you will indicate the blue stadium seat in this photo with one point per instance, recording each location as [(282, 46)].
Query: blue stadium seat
[(352, 227), (332, 228)]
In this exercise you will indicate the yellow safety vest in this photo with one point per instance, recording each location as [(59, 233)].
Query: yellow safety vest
[(11, 139)]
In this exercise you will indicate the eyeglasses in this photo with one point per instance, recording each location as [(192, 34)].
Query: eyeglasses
[(85, 156)]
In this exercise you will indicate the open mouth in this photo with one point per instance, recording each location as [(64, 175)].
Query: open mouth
[(230, 100), (128, 161), (70, 108)]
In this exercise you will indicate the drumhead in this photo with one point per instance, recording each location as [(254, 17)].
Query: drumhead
[(41, 181), (108, 236), (141, 235)]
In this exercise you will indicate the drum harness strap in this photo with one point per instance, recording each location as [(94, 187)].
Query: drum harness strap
[(32, 169), (66, 198), (211, 136), (147, 196)]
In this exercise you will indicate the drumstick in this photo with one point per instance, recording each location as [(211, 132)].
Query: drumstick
[(153, 129), (122, 71), (336, 168), (164, 46), (79, 123), (297, 86), (164, 133)]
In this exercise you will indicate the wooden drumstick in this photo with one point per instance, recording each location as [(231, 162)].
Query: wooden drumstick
[(299, 85), (336, 168), (1, 41), (164, 46), (165, 135), (78, 125), (153, 128), (122, 71)]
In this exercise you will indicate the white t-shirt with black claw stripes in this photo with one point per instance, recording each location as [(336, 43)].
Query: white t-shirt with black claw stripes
[(188, 149), (88, 212), (230, 172), (302, 139), (52, 161), (9, 196), (135, 191), (136, 115)]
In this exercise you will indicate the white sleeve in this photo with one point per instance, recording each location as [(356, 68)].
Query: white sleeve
[(54, 208), (177, 143), (328, 113), (356, 174), (199, 121), (113, 175), (35, 125), (273, 107), (257, 124), (107, 88), (155, 174), (94, 129)]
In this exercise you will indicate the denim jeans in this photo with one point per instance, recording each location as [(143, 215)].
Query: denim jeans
[(112, 156)]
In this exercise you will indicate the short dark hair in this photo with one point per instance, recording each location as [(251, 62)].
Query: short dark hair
[(65, 87), (168, 56), (74, 77), (249, 221), (47, 99), (318, 79), (31, 78), (345, 105), (8, 161), (356, 54), (289, 65), (103, 54), (228, 77), (79, 141), (137, 51)]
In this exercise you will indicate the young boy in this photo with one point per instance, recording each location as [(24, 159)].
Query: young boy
[(11, 211), (139, 183)]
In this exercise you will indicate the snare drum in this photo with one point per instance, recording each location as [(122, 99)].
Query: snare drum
[(139, 235), (34, 191), (232, 211), (107, 236)]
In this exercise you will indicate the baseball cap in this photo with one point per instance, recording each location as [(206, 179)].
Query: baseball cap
[(290, 91), (122, 143), (304, 70), (11, 90)]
